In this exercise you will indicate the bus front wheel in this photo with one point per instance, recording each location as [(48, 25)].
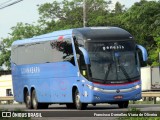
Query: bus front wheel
[(27, 99), (123, 104), (78, 104)]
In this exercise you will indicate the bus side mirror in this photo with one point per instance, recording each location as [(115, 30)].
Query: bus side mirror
[(85, 54), (86, 72), (144, 52)]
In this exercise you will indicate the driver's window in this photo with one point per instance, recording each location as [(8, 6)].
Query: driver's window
[(80, 57), (82, 65)]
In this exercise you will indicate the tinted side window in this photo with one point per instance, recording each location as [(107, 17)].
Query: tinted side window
[(14, 55), (21, 54), (63, 49), (29, 54), (44, 52), (79, 39)]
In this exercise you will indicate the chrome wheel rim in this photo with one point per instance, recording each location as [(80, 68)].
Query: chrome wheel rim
[(34, 102), (77, 100), (28, 99)]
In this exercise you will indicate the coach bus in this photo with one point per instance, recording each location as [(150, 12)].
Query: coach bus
[(77, 67)]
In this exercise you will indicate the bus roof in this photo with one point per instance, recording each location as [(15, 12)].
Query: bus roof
[(104, 33), (88, 33), (45, 37)]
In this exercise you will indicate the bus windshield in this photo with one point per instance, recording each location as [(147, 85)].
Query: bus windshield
[(113, 62)]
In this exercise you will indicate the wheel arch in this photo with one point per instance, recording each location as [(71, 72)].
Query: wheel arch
[(32, 88), (24, 92), (74, 88)]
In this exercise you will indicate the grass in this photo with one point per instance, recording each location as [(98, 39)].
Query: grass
[(144, 102)]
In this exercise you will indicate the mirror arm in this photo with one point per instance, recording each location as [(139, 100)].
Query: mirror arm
[(144, 52), (86, 57)]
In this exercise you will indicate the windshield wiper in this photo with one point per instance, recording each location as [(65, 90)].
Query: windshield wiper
[(107, 73), (122, 68), (125, 73)]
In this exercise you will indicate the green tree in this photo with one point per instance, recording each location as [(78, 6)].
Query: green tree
[(119, 8), (154, 53), (143, 21), (20, 31), (96, 12), (69, 14), (56, 16)]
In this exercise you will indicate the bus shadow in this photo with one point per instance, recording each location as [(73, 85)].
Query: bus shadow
[(90, 107)]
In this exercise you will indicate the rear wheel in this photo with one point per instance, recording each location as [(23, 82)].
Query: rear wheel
[(123, 104), (27, 100), (78, 104), (36, 104)]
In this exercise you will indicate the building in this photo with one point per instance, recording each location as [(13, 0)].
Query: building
[(6, 88)]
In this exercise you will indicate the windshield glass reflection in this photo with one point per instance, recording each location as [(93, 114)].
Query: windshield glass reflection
[(113, 61)]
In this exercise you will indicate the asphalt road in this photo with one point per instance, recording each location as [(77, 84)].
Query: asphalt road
[(60, 112), (98, 107)]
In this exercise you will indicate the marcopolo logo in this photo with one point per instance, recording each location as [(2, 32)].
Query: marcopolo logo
[(118, 91)]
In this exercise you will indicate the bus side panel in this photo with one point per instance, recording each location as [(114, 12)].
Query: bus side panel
[(62, 88), (58, 78), (18, 84), (18, 89), (52, 81)]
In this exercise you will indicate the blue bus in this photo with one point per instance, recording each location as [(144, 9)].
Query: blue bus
[(77, 67)]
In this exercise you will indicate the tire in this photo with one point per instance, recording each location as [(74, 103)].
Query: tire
[(35, 103), (70, 106), (123, 104), (78, 104), (27, 100)]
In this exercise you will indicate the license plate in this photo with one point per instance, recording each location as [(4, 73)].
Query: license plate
[(118, 97)]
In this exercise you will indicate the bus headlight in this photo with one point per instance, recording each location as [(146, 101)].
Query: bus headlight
[(94, 88), (137, 86)]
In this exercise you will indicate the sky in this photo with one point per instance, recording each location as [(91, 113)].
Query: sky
[(27, 12)]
